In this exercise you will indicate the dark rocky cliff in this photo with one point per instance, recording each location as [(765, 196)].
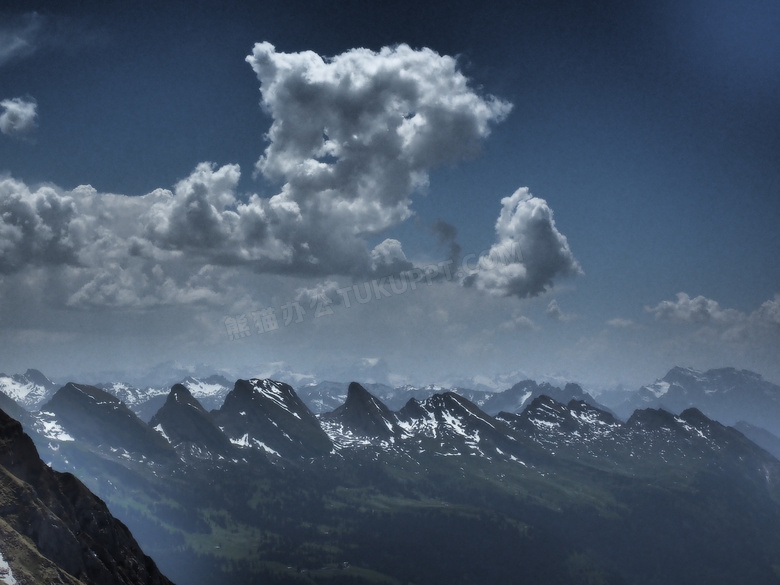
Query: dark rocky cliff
[(75, 536)]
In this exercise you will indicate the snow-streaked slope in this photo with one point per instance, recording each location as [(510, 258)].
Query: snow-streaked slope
[(29, 390), (270, 413), (727, 395)]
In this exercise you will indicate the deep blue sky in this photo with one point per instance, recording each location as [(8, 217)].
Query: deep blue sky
[(651, 129)]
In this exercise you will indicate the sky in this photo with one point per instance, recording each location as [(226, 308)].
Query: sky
[(418, 192)]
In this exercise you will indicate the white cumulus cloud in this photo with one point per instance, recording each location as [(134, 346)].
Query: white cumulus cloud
[(352, 138), (38, 227), (699, 309), (529, 252), (703, 325), (18, 117), (769, 311), (710, 321), (321, 294)]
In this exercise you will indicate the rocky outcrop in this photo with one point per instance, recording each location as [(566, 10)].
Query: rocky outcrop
[(68, 525)]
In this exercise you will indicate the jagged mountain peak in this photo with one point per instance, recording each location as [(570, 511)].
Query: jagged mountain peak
[(37, 377), (180, 393), (693, 414), (522, 394), (652, 418), (29, 390), (188, 427), (542, 401), (724, 394), (179, 387), (445, 398), (445, 412), (210, 391), (692, 422), (683, 371), (273, 388), (179, 396), (554, 424), (362, 414), (72, 390), (243, 390), (269, 393), (93, 415), (355, 389), (449, 402), (581, 408), (358, 398), (524, 384), (438, 403), (716, 379), (412, 409), (269, 415), (543, 413)]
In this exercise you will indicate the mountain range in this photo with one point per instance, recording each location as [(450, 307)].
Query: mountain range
[(445, 487), (326, 396), (725, 394)]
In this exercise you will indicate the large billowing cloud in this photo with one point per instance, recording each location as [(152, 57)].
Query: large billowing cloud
[(37, 227), (95, 241), (18, 117), (529, 251), (352, 138), (204, 219)]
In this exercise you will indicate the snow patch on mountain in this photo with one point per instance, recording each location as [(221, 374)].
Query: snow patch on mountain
[(275, 392), (659, 388), (159, 429), (130, 395), (343, 438), (6, 573), (51, 429), (200, 388), (30, 389), (247, 442)]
